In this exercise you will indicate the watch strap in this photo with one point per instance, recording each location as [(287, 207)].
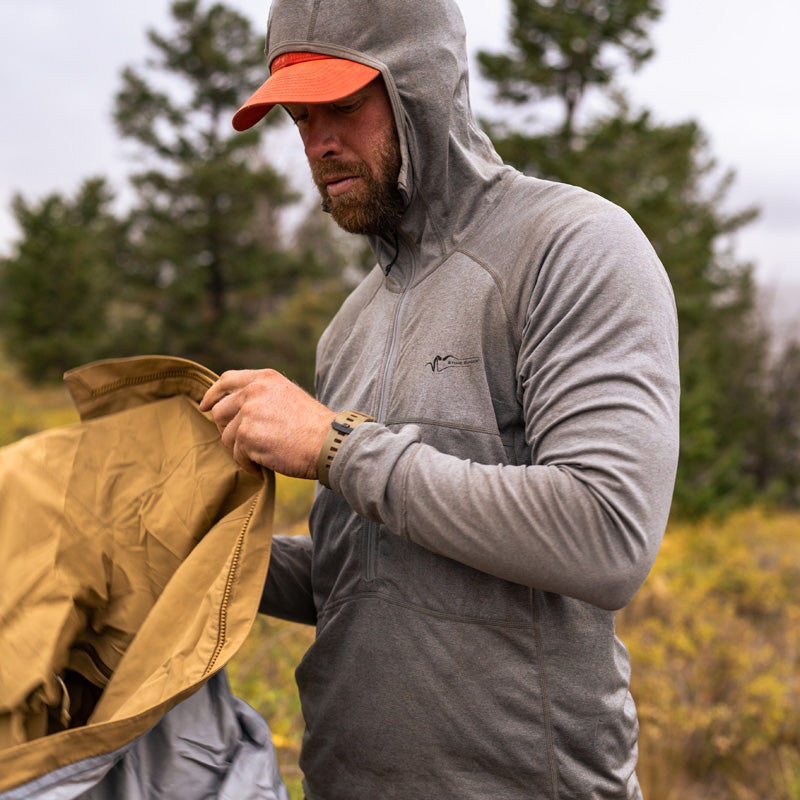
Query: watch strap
[(341, 427)]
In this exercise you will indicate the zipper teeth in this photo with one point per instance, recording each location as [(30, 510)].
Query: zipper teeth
[(226, 595), (372, 528), (389, 368), (153, 376)]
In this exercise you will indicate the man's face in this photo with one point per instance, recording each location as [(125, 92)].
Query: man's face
[(354, 155)]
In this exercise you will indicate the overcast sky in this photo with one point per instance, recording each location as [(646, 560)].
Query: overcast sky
[(729, 64)]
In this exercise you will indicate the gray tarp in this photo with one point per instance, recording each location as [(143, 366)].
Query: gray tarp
[(212, 745)]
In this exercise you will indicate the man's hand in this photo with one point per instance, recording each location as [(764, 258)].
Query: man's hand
[(267, 420)]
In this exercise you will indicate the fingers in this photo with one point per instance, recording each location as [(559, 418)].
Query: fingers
[(242, 458), (229, 382), (265, 419), (229, 423)]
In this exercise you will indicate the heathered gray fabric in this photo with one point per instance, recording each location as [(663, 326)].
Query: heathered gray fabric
[(521, 361)]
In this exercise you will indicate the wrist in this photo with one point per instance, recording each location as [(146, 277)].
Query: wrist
[(341, 427)]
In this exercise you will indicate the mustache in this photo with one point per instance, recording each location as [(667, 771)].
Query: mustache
[(325, 173)]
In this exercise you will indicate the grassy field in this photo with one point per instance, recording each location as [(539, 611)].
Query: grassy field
[(714, 637), (24, 410)]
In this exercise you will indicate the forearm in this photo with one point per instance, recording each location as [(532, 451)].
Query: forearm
[(586, 532), (287, 591)]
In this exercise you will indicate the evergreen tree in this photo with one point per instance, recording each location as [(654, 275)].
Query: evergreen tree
[(664, 176), (561, 49), (207, 255), (776, 457), (56, 290), (198, 268)]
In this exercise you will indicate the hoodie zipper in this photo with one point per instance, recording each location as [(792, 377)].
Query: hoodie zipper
[(371, 534)]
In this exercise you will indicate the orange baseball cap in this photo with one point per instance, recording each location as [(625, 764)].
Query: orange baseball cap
[(303, 78)]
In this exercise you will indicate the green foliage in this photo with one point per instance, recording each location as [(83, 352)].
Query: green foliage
[(293, 498), (714, 638), (291, 334), (57, 291), (206, 250), (560, 49), (25, 410), (288, 335), (776, 455)]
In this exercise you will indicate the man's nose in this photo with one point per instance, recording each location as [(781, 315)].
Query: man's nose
[(321, 138)]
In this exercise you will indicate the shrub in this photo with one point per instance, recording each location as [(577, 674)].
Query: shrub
[(714, 638)]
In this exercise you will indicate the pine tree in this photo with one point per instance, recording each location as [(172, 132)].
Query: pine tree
[(665, 177), (562, 49), (207, 254), (60, 297)]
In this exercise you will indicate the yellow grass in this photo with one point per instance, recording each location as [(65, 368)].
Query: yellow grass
[(714, 638)]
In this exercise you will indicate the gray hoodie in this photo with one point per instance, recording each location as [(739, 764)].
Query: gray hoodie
[(521, 360)]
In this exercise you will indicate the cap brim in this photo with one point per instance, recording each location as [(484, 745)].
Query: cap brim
[(319, 81)]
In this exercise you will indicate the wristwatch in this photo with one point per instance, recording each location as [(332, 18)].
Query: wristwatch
[(341, 427)]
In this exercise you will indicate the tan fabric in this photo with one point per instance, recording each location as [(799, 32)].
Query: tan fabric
[(133, 552)]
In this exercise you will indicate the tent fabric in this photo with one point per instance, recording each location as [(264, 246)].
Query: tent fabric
[(211, 745), (133, 552)]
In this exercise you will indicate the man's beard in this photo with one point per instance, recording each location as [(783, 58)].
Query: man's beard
[(375, 207)]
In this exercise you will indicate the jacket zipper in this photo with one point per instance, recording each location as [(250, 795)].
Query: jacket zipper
[(222, 628), (135, 381)]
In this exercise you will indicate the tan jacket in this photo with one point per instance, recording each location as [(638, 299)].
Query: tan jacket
[(133, 552)]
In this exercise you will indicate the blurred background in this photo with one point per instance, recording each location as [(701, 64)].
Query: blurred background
[(133, 219)]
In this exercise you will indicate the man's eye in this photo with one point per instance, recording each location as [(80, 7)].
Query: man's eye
[(296, 114), (348, 108)]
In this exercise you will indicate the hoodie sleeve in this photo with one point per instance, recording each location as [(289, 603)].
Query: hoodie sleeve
[(287, 592), (597, 374)]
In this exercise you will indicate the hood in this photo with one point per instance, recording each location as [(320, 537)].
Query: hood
[(449, 165)]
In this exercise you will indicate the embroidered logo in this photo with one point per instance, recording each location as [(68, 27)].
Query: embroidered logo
[(441, 363)]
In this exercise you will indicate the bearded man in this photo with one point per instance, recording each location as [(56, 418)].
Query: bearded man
[(502, 480)]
